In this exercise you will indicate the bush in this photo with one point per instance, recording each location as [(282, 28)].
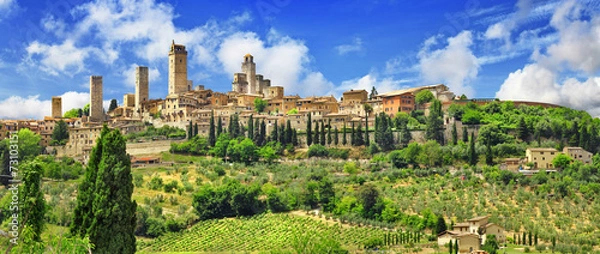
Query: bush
[(317, 150), (170, 187), (156, 183), (397, 159), (351, 168), (339, 153), (156, 227)]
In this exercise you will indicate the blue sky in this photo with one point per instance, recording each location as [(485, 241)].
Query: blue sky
[(545, 51)]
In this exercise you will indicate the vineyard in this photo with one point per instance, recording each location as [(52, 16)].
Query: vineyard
[(259, 233)]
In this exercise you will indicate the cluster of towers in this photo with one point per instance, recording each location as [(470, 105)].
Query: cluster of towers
[(248, 81)]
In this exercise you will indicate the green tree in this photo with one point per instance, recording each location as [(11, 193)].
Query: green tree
[(335, 136), (260, 105), (465, 135), (309, 140), (33, 205), (454, 134), (352, 136), (105, 210), (263, 133), (344, 138), (294, 137), (561, 161), (190, 131), (433, 128), (60, 134), (424, 96), (274, 133), (472, 152), (441, 225), (405, 135), (212, 138), (489, 154), (450, 247), (322, 132), (368, 110), (113, 105), (256, 132), (368, 197), (491, 244), (195, 129), (288, 132), (373, 93), (293, 111), (383, 133), (326, 194), (316, 133), (359, 139), (329, 140), (86, 110), (250, 128), (219, 126), (72, 113)]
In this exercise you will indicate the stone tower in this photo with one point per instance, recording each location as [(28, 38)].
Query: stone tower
[(96, 111), (178, 82), (141, 88), (249, 68), (56, 107)]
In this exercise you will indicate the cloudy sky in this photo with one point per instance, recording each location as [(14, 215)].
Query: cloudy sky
[(546, 51)]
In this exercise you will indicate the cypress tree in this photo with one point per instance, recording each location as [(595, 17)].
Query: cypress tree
[(309, 130), (281, 133), (263, 133), (212, 138), (190, 131), (195, 129), (33, 205), (219, 127), (112, 211), (472, 152), (344, 138), (352, 136), (489, 154), (322, 138), (456, 246), (274, 133), (359, 140), (405, 135), (60, 134), (250, 128), (316, 134), (522, 130), (367, 142), (530, 239), (230, 127), (294, 137), (329, 140), (535, 239), (450, 247), (335, 136), (465, 135), (256, 132), (288, 132), (524, 239), (454, 134)]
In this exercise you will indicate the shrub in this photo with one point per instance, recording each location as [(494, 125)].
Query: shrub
[(397, 159), (156, 183), (339, 153), (170, 187), (351, 168), (317, 151)]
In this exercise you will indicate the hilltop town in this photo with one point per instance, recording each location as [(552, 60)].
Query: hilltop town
[(186, 103)]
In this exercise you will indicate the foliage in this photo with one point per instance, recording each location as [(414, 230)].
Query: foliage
[(424, 96), (260, 105), (561, 161), (105, 210), (60, 134), (230, 199), (491, 244)]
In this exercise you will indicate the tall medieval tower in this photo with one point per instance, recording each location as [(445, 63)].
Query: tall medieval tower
[(249, 68), (56, 107), (141, 88), (96, 111), (178, 82)]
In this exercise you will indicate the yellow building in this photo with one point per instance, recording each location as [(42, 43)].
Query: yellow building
[(578, 153), (541, 157)]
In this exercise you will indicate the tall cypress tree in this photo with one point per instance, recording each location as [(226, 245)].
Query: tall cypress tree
[(344, 138), (294, 137), (250, 128), (322, 138), (316, 134), (359, 139), (274, 132), (472, 152), (309, 131), (256, 132), (352, 136), (195, 129), (288, 132), (335, 136), (212, 138), (523, 130), (219, 127), (281, 133), (263, 133), (112, 211), (454, 134), (465, 135), (489, 155), (33, 205), (190, 131), (329, 140)]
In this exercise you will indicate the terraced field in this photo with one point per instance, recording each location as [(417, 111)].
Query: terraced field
[(264, 232)]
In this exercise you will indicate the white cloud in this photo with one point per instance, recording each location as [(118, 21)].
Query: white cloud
[(455, 65), (315, 84), (6, 6), (53, 25), (32, 107), (355, 46), (576, 52), (63, 58), (503, 29)]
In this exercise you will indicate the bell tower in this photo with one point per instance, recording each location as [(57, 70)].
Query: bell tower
[(178, 82), (249, 68)]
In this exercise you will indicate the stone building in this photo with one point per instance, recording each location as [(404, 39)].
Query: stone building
[(541, 157), (96, 109), (248, 81), (129, 100), (355, 96), (141, 88), (178, 82), (578, 153), (56, 107)]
